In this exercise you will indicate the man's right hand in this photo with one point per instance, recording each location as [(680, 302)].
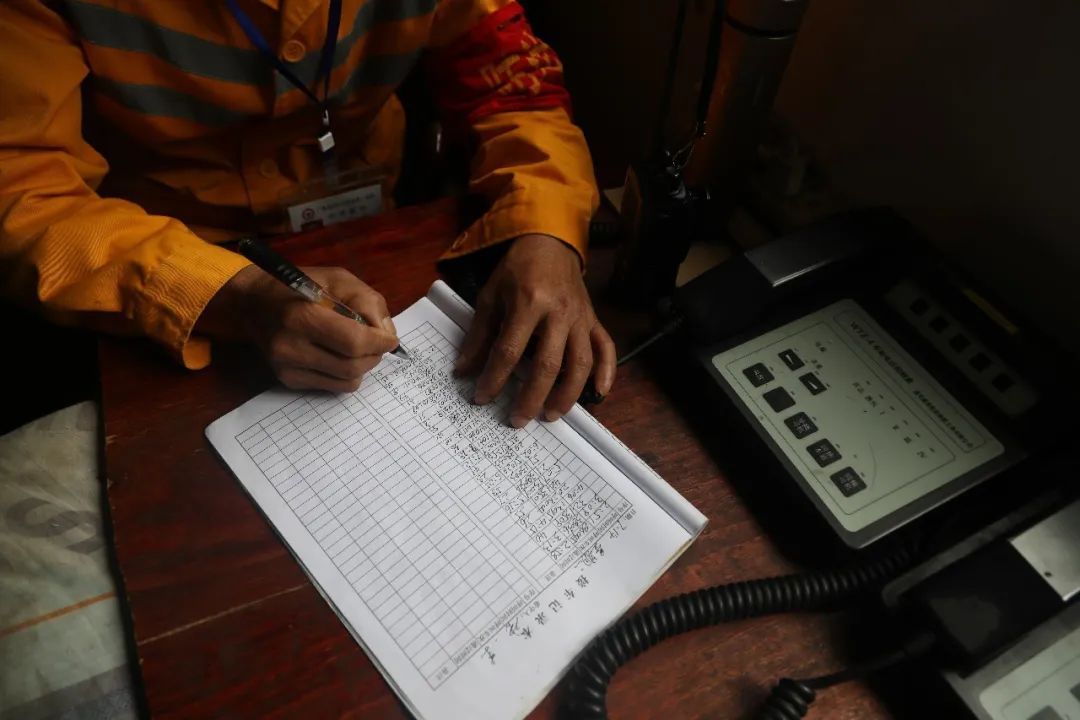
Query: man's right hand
[(308, 346)]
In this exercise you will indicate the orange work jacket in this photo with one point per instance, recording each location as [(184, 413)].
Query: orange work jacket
[(199, 137)]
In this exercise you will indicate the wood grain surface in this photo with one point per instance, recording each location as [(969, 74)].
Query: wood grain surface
[(226, 624)]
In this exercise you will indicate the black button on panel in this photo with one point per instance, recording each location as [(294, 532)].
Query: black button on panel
[(939, 323), (960, 342), (778, 399), (920, 306), (793, 361), (812, 383), (800, 425), (824, 452), (1003, 382), (1046, 713), (758, 374), (979, 361), (847, 481)]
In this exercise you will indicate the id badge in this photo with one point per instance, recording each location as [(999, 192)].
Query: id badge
[(328, 200)]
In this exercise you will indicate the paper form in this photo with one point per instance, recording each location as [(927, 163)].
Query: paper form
[(470, 560)]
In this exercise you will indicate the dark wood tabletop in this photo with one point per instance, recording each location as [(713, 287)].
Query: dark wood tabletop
[(226, 624)]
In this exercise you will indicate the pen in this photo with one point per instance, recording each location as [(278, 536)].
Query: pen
[(292, 276)]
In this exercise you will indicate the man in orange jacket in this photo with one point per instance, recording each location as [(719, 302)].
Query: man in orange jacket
[(213, 113)]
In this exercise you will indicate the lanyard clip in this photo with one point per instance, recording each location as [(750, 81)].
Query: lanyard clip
[(326, 140)]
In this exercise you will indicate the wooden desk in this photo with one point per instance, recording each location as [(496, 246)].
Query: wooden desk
[(227, 625)]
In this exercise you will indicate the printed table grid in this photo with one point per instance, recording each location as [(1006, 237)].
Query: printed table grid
[(412, 532), (552, 515)]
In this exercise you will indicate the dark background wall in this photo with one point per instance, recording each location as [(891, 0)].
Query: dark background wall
[(963, 115)]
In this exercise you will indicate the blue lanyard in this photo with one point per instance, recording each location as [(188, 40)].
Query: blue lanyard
[(326, 62)]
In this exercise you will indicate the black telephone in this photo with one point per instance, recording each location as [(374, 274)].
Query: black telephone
[(909, 418), (881, 382)]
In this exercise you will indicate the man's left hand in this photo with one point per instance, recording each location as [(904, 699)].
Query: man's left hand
[(537, 291)]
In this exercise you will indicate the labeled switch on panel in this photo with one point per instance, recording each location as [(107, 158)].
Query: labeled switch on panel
[(758, 374), (792, 360), (847, 481), (800, 425), (813, 383), (824, 452)]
